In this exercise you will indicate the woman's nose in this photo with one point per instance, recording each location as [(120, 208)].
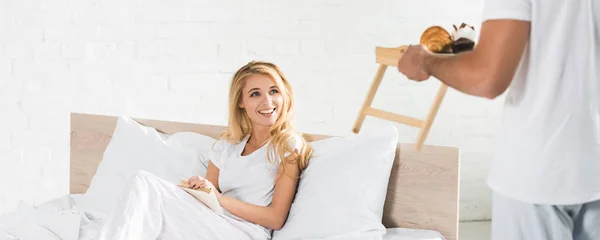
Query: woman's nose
[(268, 99)]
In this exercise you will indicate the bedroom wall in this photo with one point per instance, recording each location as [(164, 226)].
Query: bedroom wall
[(172, 60)]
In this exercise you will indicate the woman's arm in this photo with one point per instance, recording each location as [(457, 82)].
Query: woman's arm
[(274, 215), (212, 175)]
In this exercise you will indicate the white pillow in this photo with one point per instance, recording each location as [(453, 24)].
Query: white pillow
[(343, 189), (188, 142), (136, 147), (412, 234)]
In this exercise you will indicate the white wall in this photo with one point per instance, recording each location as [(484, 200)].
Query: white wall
[(172, 60)]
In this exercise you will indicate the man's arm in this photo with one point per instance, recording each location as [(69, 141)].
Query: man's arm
[(487, 70)]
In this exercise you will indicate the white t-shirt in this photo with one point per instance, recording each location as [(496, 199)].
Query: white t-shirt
[(548, 150), (249, 178)]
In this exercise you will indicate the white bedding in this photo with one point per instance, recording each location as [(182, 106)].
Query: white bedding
[(391, 234), (412, 234), (63, 219), (60, 218), (183, 154)]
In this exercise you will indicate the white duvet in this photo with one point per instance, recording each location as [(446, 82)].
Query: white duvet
[(56, 219), (63, 219)]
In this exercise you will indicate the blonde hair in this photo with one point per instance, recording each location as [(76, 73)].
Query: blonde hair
[(281, 132)]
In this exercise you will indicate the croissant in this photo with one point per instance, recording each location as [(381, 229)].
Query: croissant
[(437, 40)]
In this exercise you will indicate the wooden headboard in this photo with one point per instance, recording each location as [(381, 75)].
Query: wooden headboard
[(422, 191)]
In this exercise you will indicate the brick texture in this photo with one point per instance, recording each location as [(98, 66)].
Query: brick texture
[(144, 57)]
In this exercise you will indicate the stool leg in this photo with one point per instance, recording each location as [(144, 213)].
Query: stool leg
[(431, 115), (370, 96)]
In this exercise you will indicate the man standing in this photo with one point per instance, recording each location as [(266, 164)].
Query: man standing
[(546, 173)]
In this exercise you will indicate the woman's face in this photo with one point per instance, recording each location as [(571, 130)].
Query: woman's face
[(262, 100)]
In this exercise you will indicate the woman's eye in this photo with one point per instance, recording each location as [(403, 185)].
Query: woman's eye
[(254, 94), (273, 91)]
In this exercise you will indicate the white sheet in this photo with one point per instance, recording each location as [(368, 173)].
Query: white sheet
[(153, 207), (63, 219), (56, 219), (391, 234), (412, 234)]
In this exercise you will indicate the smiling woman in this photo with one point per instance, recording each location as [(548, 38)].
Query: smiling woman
[(261, 103), (254, 169), (263, 96)]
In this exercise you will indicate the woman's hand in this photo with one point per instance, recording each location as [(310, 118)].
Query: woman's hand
[(197, 182)]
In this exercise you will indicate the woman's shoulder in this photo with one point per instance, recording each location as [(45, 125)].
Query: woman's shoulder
[(220, 145), (223, 144), (222, 149), (295, 143)]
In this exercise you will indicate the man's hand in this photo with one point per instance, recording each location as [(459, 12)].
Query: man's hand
[(486, 71), (411, 64)]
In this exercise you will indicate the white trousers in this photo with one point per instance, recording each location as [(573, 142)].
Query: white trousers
[(515, 220), (152, 208)]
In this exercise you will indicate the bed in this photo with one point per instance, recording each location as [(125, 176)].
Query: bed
[(421, 201)]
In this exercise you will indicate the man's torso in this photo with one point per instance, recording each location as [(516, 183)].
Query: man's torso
[(548, 150)]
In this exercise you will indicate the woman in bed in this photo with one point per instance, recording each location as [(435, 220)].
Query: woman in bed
[(255, 169)]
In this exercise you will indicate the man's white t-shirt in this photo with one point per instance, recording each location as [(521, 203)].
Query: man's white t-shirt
[(548, 150), (250, 178)]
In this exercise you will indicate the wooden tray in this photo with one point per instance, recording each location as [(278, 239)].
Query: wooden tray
[(389, 57)]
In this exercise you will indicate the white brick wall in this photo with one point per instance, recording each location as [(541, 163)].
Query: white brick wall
[(172, 60)]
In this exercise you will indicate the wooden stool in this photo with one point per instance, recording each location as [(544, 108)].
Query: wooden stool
[(389, 57)]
